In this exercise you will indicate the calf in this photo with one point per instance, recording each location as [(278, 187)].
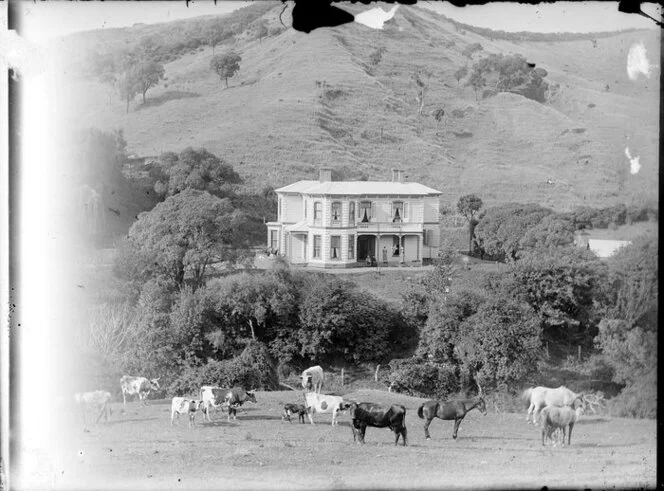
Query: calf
[(320, 403), (137, 386), (97, 400), (292, 409), (370, 414), (236, 397), (182, 405)]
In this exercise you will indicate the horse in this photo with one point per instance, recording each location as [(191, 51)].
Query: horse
[(450, 410), (539, 397)]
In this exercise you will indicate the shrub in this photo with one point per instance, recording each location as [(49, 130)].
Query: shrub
[(636, 401), (253, 369), (424, 379)]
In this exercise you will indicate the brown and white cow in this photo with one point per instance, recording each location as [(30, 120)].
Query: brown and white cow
[(321, 403), (97, 400), (140, 386), (236, 397), (313, 378), (182, 405)]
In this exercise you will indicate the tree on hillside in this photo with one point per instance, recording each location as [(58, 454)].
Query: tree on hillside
[(509, 73), (181, 237), (193, 169), (471, 49), (501, 229), (260, 30), (461, 73), (226, 65), (469, 206), (147, 74), (477, 82), (216, 34), (126, 87)]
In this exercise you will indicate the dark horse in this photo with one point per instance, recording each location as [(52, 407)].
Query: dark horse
[(448, 410)]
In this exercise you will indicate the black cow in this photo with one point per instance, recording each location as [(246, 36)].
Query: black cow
[(369, 414), (293, 409), (236, 397)]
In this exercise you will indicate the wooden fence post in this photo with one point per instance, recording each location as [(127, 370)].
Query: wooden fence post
[(342, 377), (376, 374), (579, 352)]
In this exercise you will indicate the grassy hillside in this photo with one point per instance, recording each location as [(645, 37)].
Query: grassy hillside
[(301, 101)]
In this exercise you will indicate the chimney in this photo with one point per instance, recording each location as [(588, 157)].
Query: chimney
[(325, 174), (397, 175)]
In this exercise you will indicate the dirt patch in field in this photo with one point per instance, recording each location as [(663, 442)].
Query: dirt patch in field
[(140, 449)]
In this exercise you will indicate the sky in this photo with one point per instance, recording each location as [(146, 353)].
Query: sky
[(40, 21)]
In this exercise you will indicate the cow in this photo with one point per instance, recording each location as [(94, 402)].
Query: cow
[(321, 403), (182, 405), (236, 397), (211, 396), (312, 379), (293, 409), (140, 386), (97, 400), (369, 414)]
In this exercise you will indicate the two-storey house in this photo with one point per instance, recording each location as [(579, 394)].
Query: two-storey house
[(330, 224)]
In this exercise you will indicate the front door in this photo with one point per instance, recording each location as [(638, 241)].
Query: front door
[(366, 244)]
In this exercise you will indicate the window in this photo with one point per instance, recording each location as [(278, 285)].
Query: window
[(397, 211), (336, 213), (351, 213), (317, 246), (365, 211), (274, 241), (335, 247), (351, 246), (318, 210)]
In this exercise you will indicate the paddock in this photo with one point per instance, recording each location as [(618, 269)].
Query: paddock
[(140, 449)]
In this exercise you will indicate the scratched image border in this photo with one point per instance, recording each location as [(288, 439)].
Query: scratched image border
[(39, 234)]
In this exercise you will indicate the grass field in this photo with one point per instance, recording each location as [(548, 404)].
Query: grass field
[(138, 449), (301, 101)]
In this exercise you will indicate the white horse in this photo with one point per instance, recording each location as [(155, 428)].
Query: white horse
[(540, 397)]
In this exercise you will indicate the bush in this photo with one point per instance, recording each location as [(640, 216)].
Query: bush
[(253, 369), (636, 401), (423, 379)]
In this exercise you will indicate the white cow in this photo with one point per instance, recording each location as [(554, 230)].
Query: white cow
[(97, 400), (313, 378), (182, 405), (137, 386), (321, 403)]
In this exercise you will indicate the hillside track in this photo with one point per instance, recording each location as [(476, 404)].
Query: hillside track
[(139, 449)]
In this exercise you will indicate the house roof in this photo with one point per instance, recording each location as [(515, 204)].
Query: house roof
[(359, 188)]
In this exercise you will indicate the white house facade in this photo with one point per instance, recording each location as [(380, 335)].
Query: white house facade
[(331, 224)]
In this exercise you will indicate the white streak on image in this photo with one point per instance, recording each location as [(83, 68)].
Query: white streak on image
[(637, 61), (635, 166), (375, 18)]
